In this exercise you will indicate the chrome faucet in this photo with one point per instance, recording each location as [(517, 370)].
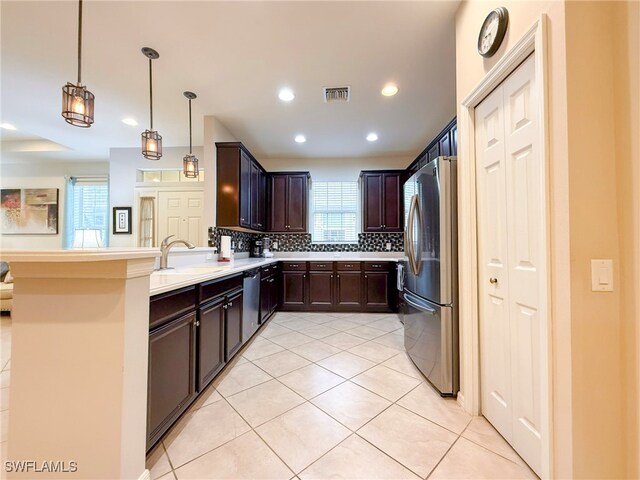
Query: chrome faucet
[(165, 246)]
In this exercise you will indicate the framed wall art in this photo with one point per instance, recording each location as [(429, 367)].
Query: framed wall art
[(121, 220), (29, 211)]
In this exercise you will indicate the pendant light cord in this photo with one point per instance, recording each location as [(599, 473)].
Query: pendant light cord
[(150, 95), (190, 152), (79, 40)]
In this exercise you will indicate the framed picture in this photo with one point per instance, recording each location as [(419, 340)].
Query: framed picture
[(121, 220), (29, 211)]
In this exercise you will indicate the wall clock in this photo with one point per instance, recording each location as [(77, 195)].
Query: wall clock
[(492, 32)]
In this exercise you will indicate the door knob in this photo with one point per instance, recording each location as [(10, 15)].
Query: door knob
[(493, 280)]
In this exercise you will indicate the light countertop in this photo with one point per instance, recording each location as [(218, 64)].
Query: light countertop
[(165, 281)]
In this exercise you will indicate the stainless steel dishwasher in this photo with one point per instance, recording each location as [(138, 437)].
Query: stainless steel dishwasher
[(250, 303)]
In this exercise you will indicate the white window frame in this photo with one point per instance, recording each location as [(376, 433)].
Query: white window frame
[(358, 227)]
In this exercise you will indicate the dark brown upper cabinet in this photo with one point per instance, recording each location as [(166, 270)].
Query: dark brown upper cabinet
[(444, 144), (381, 201), (289, 198), (241, 188)]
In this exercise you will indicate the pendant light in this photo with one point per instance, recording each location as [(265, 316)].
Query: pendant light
[(151, 140), (77, 101), (190, 162)]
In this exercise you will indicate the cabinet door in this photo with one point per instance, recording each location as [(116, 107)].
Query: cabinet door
[(294, 290), (265, 298), (297, 203), (245, 190), (445, 145), (172, 380), (453, 140), (392, 203), (434, 152), (275, 292), (262, 199), (372, 191), (376, 286), (233, 325), (278, 203), (255, 196), (349, 290), (320, 290), (210, 341)]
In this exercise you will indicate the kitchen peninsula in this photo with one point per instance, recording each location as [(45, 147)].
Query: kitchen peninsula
[(84, 349)]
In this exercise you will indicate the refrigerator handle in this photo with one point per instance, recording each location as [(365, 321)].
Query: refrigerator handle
[(423, 308), (409, 241), (418, 256)]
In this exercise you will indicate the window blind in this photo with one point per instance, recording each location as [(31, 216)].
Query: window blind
[(334, 212)]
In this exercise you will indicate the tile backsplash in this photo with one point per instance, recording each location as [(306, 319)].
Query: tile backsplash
[(301, 242)]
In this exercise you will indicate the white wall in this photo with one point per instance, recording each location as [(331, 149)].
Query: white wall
[(123, 165), (327, 169), (40, 174)]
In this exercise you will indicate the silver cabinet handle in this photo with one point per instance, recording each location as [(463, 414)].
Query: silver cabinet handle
[(366, 276), (376, 265), (320, 265), (242, 218), (197, 323), (331, 275), (348, 265), (304, 276), (225, 306), (231, 304), (259, 224), (294, 266)]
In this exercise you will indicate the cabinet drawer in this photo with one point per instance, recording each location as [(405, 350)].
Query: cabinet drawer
[(376, 266), (170, 305), (348, 266), (321, 266), (295, 266), (221, 286), (268, 270)]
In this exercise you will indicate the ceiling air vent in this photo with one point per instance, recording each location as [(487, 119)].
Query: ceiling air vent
[(337, 94)]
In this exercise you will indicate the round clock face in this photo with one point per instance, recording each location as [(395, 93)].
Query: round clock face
[(492, 32)]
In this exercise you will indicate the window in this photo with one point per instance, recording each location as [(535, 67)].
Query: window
[(87, 212), (334, 212)]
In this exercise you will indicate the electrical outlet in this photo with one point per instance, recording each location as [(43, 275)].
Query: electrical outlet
[(274, 245), (239, 244), (388, 246)]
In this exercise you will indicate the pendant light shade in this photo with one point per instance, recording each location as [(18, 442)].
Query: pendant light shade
[(77, 101), (151, 140), (190, 162)]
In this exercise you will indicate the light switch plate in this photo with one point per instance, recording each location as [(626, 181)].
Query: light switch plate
[(602, 275)]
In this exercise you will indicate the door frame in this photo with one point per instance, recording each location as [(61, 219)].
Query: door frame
[(534, 40)]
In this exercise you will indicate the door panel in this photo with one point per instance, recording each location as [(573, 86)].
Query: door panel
[(293, 289), (210, 341), (495, 342), (180, 214), (392, 209), (373, 202), (511, 252), (296, 203), (278, 203), (349, 290), (255, 196), (262, 200), (376, 288), (525, 209), (233, 325), (321, 290), (245, 190)]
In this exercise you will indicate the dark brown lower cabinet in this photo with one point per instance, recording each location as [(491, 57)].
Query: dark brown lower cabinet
[(294, 290), (348, 290), (376, 291), (268, 297), (172, 374), (210, 341), (233, 324), (321, 289)]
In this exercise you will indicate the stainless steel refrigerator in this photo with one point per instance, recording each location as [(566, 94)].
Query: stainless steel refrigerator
[(430, 284)]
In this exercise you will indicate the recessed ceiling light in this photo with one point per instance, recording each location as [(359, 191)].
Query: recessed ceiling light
[(389, 90), (7, 126), (286, 95), (300, 139), (372, 137), (129, 121)]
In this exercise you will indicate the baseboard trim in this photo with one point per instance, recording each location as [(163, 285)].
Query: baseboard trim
[(146, 475)]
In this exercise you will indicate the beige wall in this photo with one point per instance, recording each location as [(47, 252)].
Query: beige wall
[(592, 111)]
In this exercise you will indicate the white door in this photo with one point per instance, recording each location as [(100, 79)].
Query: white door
[(511, 237), (180, 214)]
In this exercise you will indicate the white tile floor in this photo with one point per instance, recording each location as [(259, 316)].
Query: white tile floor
[(329, 396), (320, 396)]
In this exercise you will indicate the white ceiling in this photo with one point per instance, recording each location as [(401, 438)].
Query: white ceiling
[(235, 56)]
